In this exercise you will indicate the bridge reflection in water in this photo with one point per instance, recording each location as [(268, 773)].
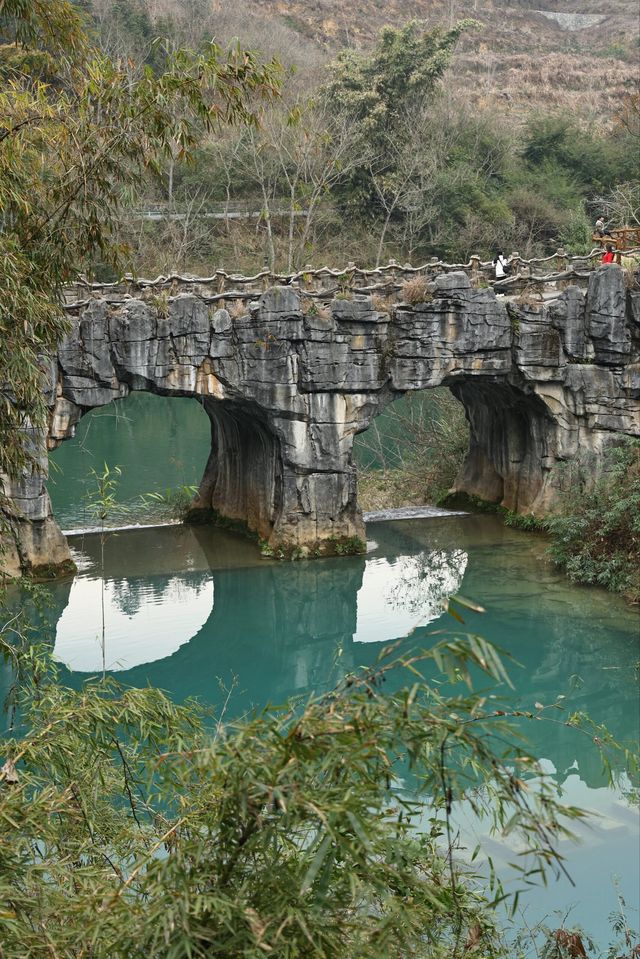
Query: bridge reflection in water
[(190, 611)]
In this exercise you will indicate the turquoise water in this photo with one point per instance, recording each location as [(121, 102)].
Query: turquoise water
[(199, 613), (159, 443)]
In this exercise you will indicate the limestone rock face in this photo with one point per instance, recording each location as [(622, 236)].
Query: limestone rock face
[(545, 389)]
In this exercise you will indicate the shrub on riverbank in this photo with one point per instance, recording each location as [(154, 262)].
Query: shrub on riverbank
[(597, 540)]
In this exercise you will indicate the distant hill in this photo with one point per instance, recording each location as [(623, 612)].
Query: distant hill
[(579, 55), (518, 55)]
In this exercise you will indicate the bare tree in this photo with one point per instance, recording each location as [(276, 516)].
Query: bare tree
[(315, 150), (622, 205)]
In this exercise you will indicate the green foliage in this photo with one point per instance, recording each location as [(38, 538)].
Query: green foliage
[(524, 521), (101, 500), (576, 232), (346, 545), (374, 88), (558, 146), (376, 92), (411, 454), (597, 540), (131, 827), (68, 150), (377, 162), (562, 166), (172, 503)]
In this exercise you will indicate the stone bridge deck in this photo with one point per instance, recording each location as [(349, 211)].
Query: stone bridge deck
[(544, 388)]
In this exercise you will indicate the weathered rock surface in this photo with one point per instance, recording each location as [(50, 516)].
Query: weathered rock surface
[(543, 388)]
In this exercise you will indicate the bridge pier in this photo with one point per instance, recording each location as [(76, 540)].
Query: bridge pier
[(288, 383), (259, 476)]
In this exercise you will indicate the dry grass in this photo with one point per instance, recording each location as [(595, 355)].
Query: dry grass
[(529, 298), (416, 290), (380, 303), (237, 309)]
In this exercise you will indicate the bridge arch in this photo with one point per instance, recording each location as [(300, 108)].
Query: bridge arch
[(511, 443)]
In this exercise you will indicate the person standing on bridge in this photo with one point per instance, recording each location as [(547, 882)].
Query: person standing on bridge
[(501, 266), (609, 256), (601, 229)]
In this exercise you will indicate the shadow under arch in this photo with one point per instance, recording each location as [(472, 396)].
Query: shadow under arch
[(509, 441), (242, 478)]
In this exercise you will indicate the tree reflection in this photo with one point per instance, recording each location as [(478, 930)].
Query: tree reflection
[(423, 583)]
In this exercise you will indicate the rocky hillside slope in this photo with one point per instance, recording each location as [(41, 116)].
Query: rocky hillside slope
[(578, 55), (525, 54)]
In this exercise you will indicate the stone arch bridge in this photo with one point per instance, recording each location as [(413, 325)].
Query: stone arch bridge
[(287, 385)]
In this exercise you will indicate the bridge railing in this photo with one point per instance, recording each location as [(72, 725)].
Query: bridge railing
[(325, 282)]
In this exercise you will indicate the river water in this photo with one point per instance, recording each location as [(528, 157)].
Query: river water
[(198, 612)]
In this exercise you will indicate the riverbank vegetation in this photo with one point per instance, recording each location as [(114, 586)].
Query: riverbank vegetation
[(597, 539), (133, 827)]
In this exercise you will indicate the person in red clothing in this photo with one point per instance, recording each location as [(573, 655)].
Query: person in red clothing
[(609, 256)]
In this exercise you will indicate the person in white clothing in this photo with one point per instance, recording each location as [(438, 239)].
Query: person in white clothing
[(501, 266)]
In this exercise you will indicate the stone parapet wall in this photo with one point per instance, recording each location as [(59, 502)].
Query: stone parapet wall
[(323, 283)]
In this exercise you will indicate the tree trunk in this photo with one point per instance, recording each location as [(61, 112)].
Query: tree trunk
[(382, 236)]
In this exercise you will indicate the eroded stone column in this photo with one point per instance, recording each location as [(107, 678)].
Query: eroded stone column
[(31, 541), (265, 473)]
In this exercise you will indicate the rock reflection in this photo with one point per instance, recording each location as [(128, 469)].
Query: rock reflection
[(282, 630)]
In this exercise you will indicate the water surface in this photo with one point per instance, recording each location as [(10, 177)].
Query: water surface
[(159, 443), (198, 612)]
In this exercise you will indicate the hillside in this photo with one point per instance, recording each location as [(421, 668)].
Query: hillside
[(527, 59), (516, 146), (577, 55)]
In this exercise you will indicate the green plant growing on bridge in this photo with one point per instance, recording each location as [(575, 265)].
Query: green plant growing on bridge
[(285, 834), (346, 545)]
